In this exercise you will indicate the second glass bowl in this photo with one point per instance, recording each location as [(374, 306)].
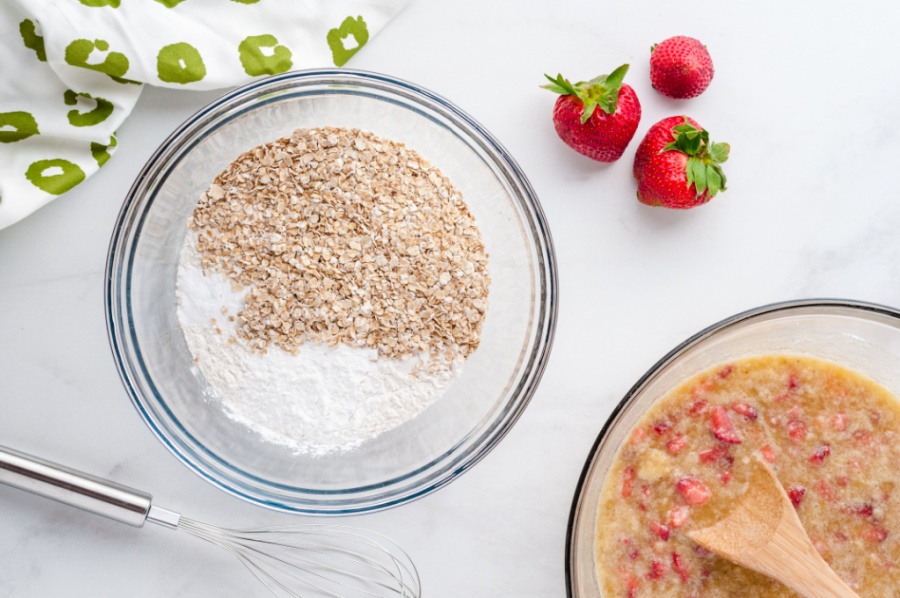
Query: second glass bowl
[(861, 336)]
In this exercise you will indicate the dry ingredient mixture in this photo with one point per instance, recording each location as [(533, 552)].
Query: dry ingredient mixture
[(830, 435), (331, 286)]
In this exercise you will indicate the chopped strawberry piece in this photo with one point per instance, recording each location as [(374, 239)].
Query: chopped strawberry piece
[(748, 411), (796, 430), (722, 428), (726, 371), (679, 567), (627, 482), (790, 391), (725, 477), (659, 530), (675, 445), (864, 438), (634, 555), (661, 427), (698, 408), (875, 534), (657, 570), (793, 382), (819, 454), (693, 491), (638, 434), (767, 453), (633, 586), (824, 490), (702, 387), (796, 494), (679, 516), (713, 454), (863, 510), (839, 422), (708, 456)]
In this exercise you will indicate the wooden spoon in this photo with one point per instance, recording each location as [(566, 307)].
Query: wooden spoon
[(763, 532)]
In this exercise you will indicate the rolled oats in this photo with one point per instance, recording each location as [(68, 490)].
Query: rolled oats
[(339, 236)]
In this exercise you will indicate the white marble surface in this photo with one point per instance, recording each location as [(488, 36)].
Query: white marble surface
[(805, 92)]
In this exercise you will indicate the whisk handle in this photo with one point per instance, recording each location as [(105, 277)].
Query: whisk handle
[(74, 488)]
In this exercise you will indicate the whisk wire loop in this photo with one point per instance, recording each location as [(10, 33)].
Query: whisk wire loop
[(317, 560)]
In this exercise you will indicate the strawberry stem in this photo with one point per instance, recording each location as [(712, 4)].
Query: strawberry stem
[(703, 167), (602, 91)]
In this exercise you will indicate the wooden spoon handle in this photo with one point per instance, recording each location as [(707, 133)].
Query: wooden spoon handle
[(791, 559), (763, 532)]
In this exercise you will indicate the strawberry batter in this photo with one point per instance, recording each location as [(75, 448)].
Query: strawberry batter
[(831, 437)]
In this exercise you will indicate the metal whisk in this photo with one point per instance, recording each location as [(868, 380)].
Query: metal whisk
[(298, 561)]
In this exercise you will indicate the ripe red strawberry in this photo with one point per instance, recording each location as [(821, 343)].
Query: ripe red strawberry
[(680, 67), (601, 134), (676, 166)]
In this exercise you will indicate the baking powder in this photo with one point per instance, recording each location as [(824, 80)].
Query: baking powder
[(320, 400)]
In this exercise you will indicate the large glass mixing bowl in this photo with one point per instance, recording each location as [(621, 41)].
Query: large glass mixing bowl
[(861, 336), (420, 455)]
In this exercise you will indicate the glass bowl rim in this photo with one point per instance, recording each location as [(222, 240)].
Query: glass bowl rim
[(403, 487), (745, 316)]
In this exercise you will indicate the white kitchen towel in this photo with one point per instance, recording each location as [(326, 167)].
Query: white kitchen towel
[(72, 70)]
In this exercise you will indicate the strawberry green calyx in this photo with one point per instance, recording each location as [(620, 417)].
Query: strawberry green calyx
[(703, 166), (602, 91)]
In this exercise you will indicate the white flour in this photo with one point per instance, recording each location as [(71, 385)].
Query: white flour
[(318, 401)]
